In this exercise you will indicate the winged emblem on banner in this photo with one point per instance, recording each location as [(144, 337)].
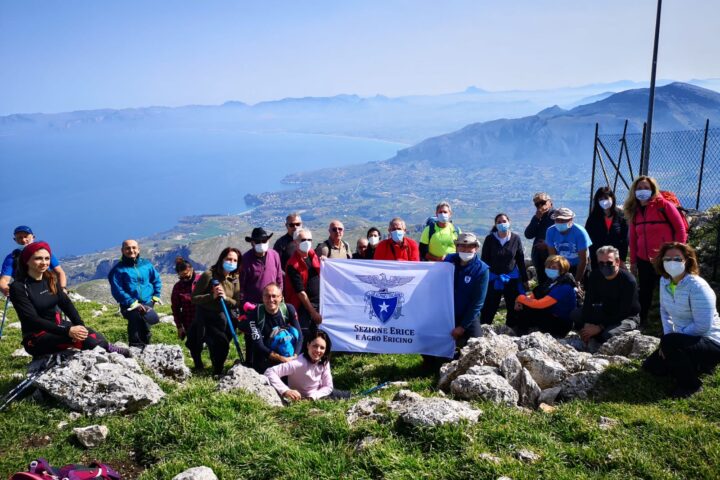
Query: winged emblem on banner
[(384, 304)]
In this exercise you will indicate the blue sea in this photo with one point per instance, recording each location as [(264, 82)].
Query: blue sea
[(86, 192)]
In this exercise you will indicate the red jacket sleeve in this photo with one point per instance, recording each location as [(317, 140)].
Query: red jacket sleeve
[(414, 252)]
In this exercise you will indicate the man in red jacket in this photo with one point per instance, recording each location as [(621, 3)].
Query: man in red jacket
[(302, 281), (398, 246)]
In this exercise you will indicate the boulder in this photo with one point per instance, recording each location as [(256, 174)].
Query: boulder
[(488, 350), (578, 385), (165, 361), (15, 325), (491, 387), (91, 436), (431, 412), (196, 473), (544, 370), (247, 379), (96, 382), (631, 344), (568, 357), (612, 359), (594, 364), (527, 456), (549, 395), (168, 319), (20, 353), (521, 380)]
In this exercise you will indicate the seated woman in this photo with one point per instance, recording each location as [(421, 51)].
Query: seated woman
[(690, 344), (309, 374), (210, 325), (549, 307), (37, 296)]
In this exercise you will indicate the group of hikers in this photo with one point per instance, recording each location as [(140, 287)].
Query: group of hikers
[(272, 294)]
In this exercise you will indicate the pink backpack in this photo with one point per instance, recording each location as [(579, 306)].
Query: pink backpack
[(40, 469)]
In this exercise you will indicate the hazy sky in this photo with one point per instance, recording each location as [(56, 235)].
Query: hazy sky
[(69, 54)]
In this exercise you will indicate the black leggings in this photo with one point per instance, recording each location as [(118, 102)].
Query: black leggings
[(44, 343), (543, 320), (492, 302), (685, 358), (211, 328)]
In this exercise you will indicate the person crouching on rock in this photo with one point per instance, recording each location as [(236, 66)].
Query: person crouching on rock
[(549, 307), (210, 325), (275, 330), (309, 374), (37, 296)]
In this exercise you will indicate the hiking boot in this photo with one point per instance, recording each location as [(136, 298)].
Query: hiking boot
[(117, 349)]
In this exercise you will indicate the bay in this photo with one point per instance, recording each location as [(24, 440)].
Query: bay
[(88, 189)]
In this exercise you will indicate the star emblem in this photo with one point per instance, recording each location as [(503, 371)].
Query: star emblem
[(383, 307)]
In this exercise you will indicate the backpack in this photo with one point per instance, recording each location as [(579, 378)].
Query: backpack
[(40, 469), (431, 222), (672, 198), (282, 338), (345, 244)]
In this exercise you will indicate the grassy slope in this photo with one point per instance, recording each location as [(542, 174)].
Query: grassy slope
[(238, 437)]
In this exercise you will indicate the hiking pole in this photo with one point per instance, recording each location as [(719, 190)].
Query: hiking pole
[(25, 384), (2, 326), (377, 387), (215, 283)]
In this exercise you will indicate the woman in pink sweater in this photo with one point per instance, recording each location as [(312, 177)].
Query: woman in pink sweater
[(653, 221), (309, 374)]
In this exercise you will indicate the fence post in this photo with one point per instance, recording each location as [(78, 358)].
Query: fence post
[(592, 178), (642, 150), (619, 161), (702, 166)]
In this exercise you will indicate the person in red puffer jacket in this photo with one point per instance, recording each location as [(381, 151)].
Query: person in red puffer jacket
[(652, 221)]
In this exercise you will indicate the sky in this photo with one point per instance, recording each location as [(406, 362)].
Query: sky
[(73, 55)]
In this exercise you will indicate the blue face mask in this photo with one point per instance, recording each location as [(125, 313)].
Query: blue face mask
[(503, 227), (552, 273), (397, 235), (229, 267), (562, 227)]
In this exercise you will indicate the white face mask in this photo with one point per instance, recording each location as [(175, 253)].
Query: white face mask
[(305, 246), (262, 247), (674, 269), (443, 217), (643, 195), (605, 203), (466, 256), (373, 240)]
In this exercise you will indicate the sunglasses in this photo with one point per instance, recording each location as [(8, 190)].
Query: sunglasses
[(673, 259), (540, 203), (297, 224), (337, 229), (606, 264), (304, 239)]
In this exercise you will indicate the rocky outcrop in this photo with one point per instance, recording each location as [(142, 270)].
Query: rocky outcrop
[(91, 436), (165, 361), (534, 369), (96, 382), (247, 379), (413, 409), (631, 344)]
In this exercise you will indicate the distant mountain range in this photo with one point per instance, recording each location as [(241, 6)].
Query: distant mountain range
[(406, 119), (558, 135)]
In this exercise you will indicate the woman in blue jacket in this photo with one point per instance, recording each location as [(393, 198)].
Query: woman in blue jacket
[(690, 344)]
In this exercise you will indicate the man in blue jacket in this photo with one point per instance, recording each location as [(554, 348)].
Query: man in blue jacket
[(135, 285), (471, 283)]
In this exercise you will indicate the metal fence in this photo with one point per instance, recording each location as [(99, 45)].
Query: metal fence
[(684, 162)]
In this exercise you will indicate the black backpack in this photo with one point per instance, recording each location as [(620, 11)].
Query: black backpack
[(431, 223)]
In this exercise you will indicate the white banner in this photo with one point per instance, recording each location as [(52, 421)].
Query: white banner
[(388, 307)]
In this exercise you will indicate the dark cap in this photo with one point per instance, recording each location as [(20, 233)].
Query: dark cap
[(23, 229), (258, 235)]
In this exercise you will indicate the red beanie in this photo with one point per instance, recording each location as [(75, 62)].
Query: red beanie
[(29, 250)]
